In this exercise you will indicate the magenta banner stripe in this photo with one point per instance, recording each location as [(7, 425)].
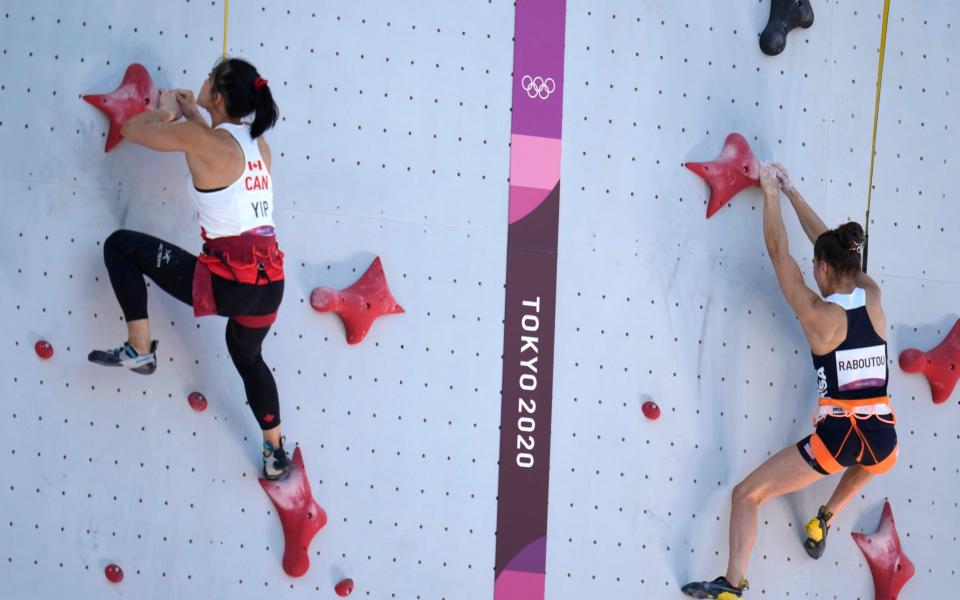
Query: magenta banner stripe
[(531, 291), (538, 52)]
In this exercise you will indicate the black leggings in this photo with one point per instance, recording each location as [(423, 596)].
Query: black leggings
[(129, 255)]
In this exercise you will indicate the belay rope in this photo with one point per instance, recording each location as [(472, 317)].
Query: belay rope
[(226, 13), (876, 118)]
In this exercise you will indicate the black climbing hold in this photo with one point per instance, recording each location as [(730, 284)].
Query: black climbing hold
[(785, 15)]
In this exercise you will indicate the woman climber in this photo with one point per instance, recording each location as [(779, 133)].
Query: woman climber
[(854, 423), (239, 274)]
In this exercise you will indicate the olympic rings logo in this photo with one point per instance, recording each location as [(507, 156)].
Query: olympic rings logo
[(538, 87)]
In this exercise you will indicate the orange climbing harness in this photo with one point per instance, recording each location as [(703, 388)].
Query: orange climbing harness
[(856, 411)]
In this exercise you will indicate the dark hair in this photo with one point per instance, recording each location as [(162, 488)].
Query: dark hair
[(235, 79), (841, 248)]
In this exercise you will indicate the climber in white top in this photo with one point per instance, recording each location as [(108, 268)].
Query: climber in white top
[(239, 274), (246, 205)]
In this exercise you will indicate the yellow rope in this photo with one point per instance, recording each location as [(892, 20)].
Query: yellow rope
[(226, 13), (876, 110)]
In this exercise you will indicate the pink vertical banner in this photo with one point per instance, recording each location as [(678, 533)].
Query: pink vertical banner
[(531, 290)]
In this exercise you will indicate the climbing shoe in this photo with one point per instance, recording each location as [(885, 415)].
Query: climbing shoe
[(719, 588), (276, 463), (817, 530), (125, 356)]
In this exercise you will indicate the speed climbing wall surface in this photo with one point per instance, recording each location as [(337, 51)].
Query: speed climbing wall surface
[(394, 142)]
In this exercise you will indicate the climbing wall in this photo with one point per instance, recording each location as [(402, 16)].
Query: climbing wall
[(394, 142), (657, 303)]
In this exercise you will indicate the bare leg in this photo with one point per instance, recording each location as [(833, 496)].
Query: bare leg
[(272, 436), (852, 482), (138, 332), (781, 474)]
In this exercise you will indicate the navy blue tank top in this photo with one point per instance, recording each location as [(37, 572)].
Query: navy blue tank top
[(857, 368)]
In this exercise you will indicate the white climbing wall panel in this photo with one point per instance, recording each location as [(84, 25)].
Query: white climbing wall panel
[(655, 302), (394, 142)]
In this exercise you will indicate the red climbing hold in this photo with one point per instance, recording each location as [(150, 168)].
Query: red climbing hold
[(734, 170), (359, 305), (197, 401), (344, 588), (941, 366), (651, 410), (44, 349), (114, 573), (300, 515), (890, 567), (136, 94)]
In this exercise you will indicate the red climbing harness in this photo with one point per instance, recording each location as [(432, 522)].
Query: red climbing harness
[(249, 259)]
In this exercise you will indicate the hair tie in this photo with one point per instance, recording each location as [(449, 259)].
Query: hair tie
[(856, 247), (258, 83)]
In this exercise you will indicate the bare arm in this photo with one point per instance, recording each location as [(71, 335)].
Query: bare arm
[(810, 309), (188, 104), (160, 129), (812, 225), (865, 281), (139, 128), (797, 294), (154, 130), (265, 151), (136, 127)]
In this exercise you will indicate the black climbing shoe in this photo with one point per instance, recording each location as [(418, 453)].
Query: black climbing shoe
[(817, 530), (276, 463), (719, 588), (785, 15), (125, 356)]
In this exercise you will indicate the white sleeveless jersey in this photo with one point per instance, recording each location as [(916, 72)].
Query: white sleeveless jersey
[(245, 204)]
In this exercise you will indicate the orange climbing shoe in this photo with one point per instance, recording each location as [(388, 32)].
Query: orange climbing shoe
[(719, 588)]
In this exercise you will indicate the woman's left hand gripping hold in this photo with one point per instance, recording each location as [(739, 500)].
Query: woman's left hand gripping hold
[(188, 104), (771, 179), (168, 102)]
